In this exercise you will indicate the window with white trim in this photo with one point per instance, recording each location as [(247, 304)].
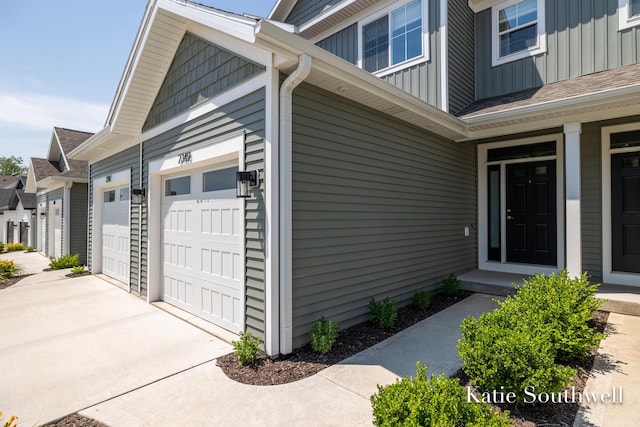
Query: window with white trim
[(518, 30), (628, 13), (394, 38)]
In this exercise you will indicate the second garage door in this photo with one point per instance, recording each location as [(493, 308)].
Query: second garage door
[(202, 246), (116, 234)]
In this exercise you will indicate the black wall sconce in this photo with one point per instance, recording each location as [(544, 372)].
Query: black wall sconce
[(137, 196), (244, 182), (43, 214)]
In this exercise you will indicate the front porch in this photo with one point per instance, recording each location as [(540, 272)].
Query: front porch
[(619, 299)]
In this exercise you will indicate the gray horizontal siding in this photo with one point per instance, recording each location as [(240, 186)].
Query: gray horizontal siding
[(379, 209), (344, 44), (591, 196), (461, 78), (582, 38), (79, 204), (242, 115), (128, 159), (199, 71), (305, 10)]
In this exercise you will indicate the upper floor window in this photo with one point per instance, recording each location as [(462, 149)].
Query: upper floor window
[(518, 30), (628, 13), (394, 38)]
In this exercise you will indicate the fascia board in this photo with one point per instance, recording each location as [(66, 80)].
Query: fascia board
[(282, 9), (84, 150), (292, 45), (32, 185)]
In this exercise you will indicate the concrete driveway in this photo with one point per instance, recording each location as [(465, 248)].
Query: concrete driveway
[(68, 344)]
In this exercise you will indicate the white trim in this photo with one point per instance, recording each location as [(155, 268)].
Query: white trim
[(444, 56), (504, 266), (387, 11), (117, 179), (66, 218), (217, 152), (608, 275), (539, 48), (325, 14), (208, 105), (272, 215), (625, 20), (573, 211)]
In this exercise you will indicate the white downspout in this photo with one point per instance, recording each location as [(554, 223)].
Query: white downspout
[(286, 294), (66, 211)]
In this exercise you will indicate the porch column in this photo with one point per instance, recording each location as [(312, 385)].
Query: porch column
[(573, 228)]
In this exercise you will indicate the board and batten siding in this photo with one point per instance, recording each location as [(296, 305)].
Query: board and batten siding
[(379, 209), (78, 221), (128, 159), (200, 70), (246, 114), (421, 80), (461, 81), (582, 38), (306, 10)]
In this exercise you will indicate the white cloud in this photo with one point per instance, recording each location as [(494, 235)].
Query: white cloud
[(33, 111)]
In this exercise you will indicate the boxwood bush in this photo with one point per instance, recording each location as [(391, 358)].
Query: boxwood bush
[(524, 342), (431, 401)]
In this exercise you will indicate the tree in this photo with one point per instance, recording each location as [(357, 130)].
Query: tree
[(12, 166)]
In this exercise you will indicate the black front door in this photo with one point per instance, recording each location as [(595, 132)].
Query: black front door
[(24, 233), (531, 213), (10, 231), (625, 212)]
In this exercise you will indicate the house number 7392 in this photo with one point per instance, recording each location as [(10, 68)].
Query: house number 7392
[(184, 158)]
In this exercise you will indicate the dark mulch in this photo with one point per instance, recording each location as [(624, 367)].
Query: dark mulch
[(532, 415), (10, 281), (76, 420), (304, 362), (84, 273)]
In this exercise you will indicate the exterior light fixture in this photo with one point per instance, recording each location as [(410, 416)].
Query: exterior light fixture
[(137, 196), (43, 214), (244, 182)]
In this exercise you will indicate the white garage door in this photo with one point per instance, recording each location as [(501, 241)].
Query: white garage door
[(57, 231), (202, 246), (115, 233)]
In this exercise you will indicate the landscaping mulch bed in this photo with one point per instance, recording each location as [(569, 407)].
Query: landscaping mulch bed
[(76, 420), (532, 415), (84, 273), (10, 281), (304, 362)]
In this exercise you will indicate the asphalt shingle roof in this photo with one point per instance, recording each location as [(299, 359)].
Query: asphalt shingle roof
[(70, 139)]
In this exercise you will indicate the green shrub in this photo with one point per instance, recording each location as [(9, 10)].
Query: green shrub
[(384, 313), (65, 261), (500, 349), (246, 348), (12, 247), (565, 306), (450, 285), (434, 401), (8, 268), (421, 300), (78, 270), (1, 247), (323, 334), (30, 249)]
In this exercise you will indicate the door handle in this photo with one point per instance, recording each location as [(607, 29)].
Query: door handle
[(509, 217)]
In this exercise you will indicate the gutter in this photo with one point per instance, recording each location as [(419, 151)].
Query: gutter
[(286, 214)]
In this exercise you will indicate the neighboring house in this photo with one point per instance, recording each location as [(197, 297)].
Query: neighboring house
[(17, 211), (394, 143), (60, 184)]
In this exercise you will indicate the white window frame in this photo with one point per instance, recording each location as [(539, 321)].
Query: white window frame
[(608, 274), (387, 11), (540, 47), (503, 265), (625, 20)]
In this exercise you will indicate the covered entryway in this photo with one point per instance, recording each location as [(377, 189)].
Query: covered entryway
[(115, 233), (625, 212), (531, 213), (202, 245)]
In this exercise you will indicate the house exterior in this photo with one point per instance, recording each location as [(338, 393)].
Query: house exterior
[(395, 142), (60, 186), (17, 211)]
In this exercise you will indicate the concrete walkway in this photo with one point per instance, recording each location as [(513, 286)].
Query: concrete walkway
[(84, 345)]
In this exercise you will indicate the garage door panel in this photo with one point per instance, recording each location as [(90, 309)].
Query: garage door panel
[(116, 239), (203, 262)]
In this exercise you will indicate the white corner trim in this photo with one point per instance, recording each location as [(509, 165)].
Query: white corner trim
[(608, 275), (503, 265), (625, 20), (540, 47), (572, 133), (444, 56)]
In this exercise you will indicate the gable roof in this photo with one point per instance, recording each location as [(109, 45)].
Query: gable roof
[(44, 173), (28, 200), (5, 198), (9, 181), (70, 139)]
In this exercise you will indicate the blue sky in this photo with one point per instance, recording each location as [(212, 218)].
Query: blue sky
[(61, 62)]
